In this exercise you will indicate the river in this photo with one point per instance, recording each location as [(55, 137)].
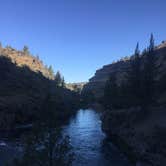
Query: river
[(89, 142)]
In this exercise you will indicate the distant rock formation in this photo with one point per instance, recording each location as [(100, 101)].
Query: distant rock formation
[(77, 87)]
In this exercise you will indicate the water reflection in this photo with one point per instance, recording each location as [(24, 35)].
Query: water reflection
[(90, 146)]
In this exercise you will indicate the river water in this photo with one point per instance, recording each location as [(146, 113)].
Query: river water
[(89, 142)]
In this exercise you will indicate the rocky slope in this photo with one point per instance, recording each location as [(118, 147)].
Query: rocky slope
[(139, 132), (24, 87), (21, 58), (96, 84)]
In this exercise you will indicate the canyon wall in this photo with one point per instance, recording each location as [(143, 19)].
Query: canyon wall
[(97, 83)]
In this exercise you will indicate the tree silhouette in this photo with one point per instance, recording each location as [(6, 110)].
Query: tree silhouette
[(26, 50), (51, 71), (58, 79), (111, 95), (149, 73), (134, 77), (63, 82)]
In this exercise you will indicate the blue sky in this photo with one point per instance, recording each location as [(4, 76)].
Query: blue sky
[(79, 36)]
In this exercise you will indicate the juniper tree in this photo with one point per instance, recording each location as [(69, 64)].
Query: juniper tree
[(58, 79), (111, 95), (26, 50), (51, 71), (134, 77), (149, 73), (63, 82)]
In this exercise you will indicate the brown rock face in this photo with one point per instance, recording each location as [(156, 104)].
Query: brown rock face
[(22, 59), (75, 86)]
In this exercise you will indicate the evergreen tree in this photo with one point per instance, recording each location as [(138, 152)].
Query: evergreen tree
[(111, 95), (152, 44), (149, 73), (26, 50), (134, 77), (51, 71), (58, 79), (63, 82)]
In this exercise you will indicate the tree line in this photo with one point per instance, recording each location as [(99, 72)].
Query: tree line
[(140, 86)]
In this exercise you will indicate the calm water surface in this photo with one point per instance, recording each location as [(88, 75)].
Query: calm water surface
[(89, 143)]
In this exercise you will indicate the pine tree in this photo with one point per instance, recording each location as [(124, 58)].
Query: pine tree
[(63, 82), (134, 77), (152, 45), (26, 50), (51, 71), (58, 79), (149, 73), (111, 95)]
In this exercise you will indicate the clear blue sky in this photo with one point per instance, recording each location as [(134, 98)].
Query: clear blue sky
[(79, 36)]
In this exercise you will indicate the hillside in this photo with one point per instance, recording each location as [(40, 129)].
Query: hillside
[(96, 84), (25, 84), (23, 58), (134, 114)]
